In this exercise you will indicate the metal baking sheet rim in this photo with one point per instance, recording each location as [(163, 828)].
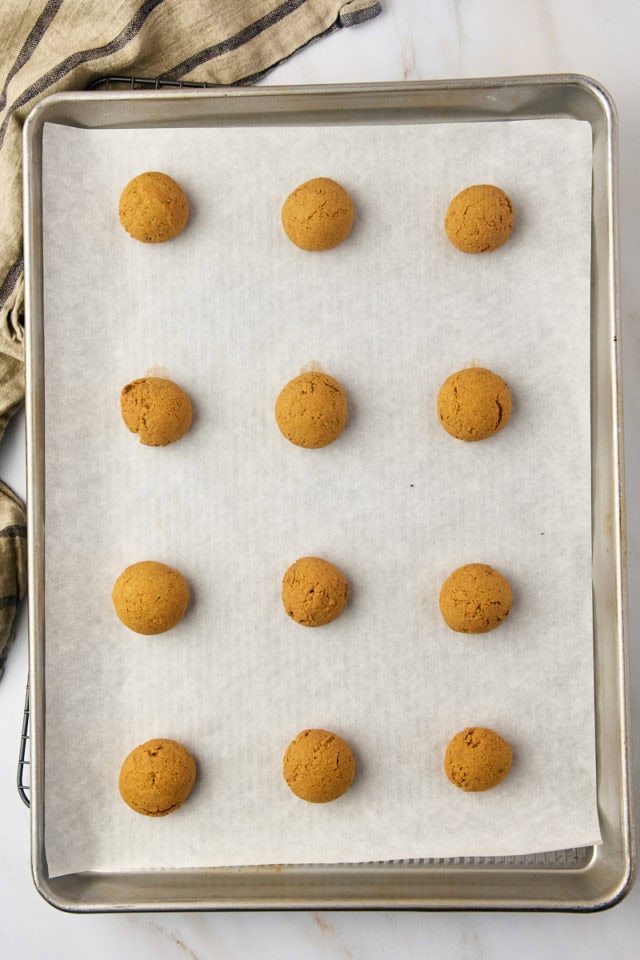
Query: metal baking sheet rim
[(584, 881)]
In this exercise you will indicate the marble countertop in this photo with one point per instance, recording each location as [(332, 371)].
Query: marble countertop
[(411, 40)]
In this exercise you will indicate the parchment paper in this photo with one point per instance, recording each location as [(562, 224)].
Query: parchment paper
[(231, 310)]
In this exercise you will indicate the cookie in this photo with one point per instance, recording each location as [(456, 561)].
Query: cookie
[(153, 208), (311, 410), (474, 404), (475, 598), (318, 766), (479, 219), (314, 592), (158, 410), (150, 597), (477, 759), (157, 777), (318, 215)]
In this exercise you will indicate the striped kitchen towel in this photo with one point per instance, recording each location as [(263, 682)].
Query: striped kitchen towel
[(52, 45), (12, 566)]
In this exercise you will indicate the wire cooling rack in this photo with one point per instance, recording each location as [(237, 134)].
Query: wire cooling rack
[(140, 83), (24, 768)]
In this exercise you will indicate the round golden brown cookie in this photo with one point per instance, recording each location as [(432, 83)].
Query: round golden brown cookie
[(153, 208), (477, 759), (318, 766), (158, 410), (479, 219), (314, 592), (318, 215), (157, 777), (150, 597), (475, 599), (474, 404), (311, 410)]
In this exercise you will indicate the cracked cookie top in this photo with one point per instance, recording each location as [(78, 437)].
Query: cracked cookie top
[(474, 404), (158, 410), (475, 598), (318, 215), (479, 219)]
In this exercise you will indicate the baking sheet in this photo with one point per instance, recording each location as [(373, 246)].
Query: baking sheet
[(232, 311)]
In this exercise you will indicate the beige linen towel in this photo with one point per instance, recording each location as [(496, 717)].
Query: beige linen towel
[(52, 45), (12, 565)]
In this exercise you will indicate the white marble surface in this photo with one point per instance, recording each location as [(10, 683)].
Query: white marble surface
[(413, 39)]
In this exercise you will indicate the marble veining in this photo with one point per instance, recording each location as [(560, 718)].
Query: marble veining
[(412, 39)]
